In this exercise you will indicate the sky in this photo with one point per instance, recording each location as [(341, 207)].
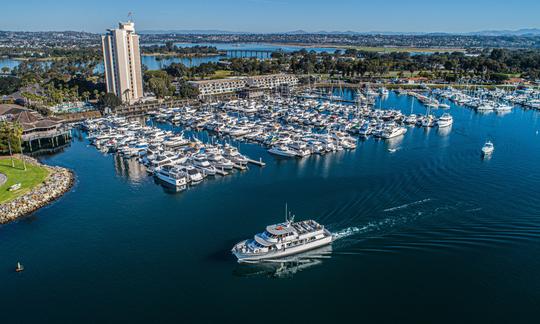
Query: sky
[(272, 15)]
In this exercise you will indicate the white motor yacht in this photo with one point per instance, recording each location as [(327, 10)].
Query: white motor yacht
[(223, 164), (281, 240), (365, 130), (394, 132), (484, 106), (488, 148), (172, 175), (200, 162), (501, 107), (445, 120), (444, 106), (428, 121), (194, 175), (411, 119), (282, 150)]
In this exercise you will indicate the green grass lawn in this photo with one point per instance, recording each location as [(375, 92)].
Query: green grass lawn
[(221, 74), (28, 179)]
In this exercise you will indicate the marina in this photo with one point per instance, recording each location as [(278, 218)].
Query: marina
[(415, 217), (287, 127)]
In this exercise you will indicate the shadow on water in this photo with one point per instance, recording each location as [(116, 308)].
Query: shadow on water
[(286, 267)]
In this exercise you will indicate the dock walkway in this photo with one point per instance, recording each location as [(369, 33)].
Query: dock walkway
[(259, 163)]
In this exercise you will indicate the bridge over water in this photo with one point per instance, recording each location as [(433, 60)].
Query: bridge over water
[(260, 54)]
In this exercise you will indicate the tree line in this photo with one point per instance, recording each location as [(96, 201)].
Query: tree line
[(170, 47)]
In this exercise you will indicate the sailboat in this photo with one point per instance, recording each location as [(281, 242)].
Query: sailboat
[(19, 267)]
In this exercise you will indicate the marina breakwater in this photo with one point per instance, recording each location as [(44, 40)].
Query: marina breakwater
[(59, 181)]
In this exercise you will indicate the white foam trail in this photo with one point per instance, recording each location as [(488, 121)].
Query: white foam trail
[(473, 210), (407, 205), (347, 232)]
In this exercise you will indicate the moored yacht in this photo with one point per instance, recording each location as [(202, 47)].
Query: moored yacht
[(365, 130), (445, 120), (502, 107), (282, 150), (427, 121), (194, 175), (410, 119), (393, 132), (172, 175)]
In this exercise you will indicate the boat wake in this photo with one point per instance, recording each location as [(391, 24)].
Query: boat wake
[(347, 232), (408, 205)]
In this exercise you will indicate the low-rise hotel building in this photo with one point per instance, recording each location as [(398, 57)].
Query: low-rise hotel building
[(231, 85), (272, 81)]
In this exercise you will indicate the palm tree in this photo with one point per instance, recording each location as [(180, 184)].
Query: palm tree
[(9, 135), (10, 131), (86, 95), (126, 94), (17, 132)]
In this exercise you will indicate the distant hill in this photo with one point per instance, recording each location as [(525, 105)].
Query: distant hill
[(191, 32), (519, 32)]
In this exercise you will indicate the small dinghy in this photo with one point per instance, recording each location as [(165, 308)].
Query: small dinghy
[(19, 267)]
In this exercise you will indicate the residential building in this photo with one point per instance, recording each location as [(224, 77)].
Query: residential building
[(122, 62)]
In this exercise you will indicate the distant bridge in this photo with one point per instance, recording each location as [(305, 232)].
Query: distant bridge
[(260, 54)]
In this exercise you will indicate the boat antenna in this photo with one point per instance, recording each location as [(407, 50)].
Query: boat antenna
[(286, 218)]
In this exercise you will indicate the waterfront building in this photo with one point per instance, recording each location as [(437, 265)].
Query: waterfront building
[(122, 62), (215, 87), (272, 81), (38, 132), (230, 85)]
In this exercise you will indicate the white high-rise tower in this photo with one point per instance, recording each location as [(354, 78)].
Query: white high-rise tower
[(122, 62)]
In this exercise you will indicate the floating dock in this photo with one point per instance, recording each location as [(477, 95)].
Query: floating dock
[(259, 163)]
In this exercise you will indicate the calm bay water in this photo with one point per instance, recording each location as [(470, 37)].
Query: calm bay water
[(258, 47), (156, 63), (443, 235)]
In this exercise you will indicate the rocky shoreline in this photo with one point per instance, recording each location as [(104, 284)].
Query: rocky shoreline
[(59, 181)]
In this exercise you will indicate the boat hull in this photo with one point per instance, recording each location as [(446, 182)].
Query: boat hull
[(283, 253), (171, 181)]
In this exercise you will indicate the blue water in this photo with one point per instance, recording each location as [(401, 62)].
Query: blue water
[(442, 235), (156, 63), (10, 63), (259, 47)]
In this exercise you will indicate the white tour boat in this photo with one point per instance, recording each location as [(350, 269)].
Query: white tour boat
[(283, 239)]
